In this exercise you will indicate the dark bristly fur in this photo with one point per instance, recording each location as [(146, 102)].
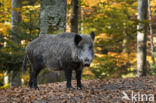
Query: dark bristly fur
[(66, 51)]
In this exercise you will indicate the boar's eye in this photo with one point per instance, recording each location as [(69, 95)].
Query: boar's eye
[(80, 47), (91, 46)]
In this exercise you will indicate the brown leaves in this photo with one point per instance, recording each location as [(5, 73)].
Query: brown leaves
[(94, 91)]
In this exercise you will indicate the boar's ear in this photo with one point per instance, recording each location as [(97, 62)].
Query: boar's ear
[(92, 35), (77, 39)]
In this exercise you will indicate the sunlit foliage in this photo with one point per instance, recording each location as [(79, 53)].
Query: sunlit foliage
[(113, 21), (11, 53)]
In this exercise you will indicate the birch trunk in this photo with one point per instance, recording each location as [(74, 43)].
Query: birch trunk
[(151, 33), (15, 78), (6, 78), (141, 38)]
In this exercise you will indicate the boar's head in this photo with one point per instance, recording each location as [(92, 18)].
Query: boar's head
[(84, 48)]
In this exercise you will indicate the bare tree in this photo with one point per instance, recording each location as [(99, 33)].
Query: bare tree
[(15, 79), (141, 38), (74, 16), (151, 32)]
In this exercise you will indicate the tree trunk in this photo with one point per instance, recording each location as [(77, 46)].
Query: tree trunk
[(141, 38), (15, 78), (124, 42), (52, 21), (74, 16), (15, 17), (151, 32), (6, 78), (52, 16)]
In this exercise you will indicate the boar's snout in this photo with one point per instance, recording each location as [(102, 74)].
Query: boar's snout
[(87, 62), (86, 65)]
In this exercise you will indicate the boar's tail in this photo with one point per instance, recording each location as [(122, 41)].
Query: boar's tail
[(24, 68)]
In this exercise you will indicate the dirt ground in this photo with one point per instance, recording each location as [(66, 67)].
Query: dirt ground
[(128, 90)]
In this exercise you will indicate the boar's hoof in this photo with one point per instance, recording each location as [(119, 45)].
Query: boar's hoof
[(70, 88), (79, 87), (35, 87)]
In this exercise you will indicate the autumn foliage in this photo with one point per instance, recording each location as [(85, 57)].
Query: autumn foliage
[(114, 23)]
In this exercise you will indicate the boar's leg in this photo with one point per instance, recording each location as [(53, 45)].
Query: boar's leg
[(68, 75), (78, 77), (33, 76)]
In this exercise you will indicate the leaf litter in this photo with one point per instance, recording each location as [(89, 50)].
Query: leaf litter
[(94, 91)]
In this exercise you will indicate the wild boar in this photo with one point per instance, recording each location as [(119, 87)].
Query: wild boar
[(66, 51)]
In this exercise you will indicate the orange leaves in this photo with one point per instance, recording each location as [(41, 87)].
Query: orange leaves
[(16, 9), (99, 55), (113, 64), (4, 28), (91, 2), (122, 58)]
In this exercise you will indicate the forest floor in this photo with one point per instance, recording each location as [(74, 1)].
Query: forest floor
[(135, 90)]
